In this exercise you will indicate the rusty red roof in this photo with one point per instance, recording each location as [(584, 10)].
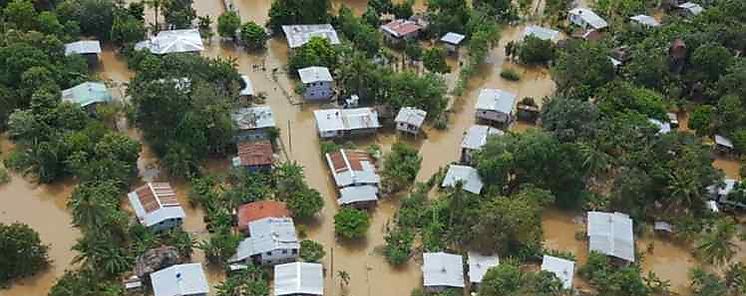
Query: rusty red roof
[(400, 28), (259, 210), (255, 153)]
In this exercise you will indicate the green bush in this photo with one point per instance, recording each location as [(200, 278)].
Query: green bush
[(351, 223), (311, 251), (398, 245), (510, 74), (4, 176)]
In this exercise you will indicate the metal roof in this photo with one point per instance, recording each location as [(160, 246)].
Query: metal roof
[(496, 100), (355, 194), (299, 278), (265, 235), (590, 17), (479, 264), (83, 47), (259, 210), (663, 127), (443, 269), (352, 167), (346, 119), (611, 234), (694, 8), (154, 203), (315, 74), (564, 269), (297, 35), (452, 38), (258, 153), (723, 141), (400, 28), (728, 186), (254, 118), (468, 175), (476, 136), (173, 41), (248, 89), (541, 33), (411, 116), (646, 20), (180, 280), (87, 93)]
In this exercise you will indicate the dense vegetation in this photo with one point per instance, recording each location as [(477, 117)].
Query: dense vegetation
[(23, 253)]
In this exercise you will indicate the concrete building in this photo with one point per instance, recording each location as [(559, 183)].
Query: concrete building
[(254, 156), (297, 35), (564, 269), (478, 266), (586, 19), (452, 41), (474, 138), (336, 123), (156, 206), (410, 120), (399, 31), (469, 176), (88, 95), (495, 106), (180, 280), (441, 271), (173, 41), (611, 234), (271, 241), (299, 279), (317, 82), (254, 123)]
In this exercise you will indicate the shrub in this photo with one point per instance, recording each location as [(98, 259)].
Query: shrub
[(253, 36), (398, 245), (311, 251), (510, 74), (400, 167), (23, 252), (351, 223), (4, 176)]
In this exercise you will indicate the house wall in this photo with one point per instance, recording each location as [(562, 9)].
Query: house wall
[(450, 47), (166, 224), (278, 257), (405, 127), (397, 40), (252, 135), (362, 131), (318, 90), (361, 204), (329, 134), (491, 115)]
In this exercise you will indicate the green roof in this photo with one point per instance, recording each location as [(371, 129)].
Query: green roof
[(87, 93)]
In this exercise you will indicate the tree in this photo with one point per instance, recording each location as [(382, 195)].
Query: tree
[(706, 284), (253, 36), (716, 246), (351, 223), (623, 97), (400, 167), (291, 187), (94, 206), (407, 89), (581, 68), (701, 119), (709, 60), (23, 252), (403, 9), (127, 29), (179, 13), (22, 14), (316, 52), (251, 281), (311, 251), (156, 5), (507, 225), (85, 283), (205, 27), (434, 60), (508, 279), (570, 120), (344, 278), (398, 245), (96, 17), (49, 24), (220, 246), (228, 24), (535, 51), (612, 280), (290, 12), (413, 50)]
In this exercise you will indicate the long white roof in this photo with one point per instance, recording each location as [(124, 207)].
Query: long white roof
[(355, 194), (590, 17), (297, 35), (180, 280), (266, 235), (479, 264), (300, 278), (315, 74), (468, 175), (720, 140), (611, 234), (83, 47), (477, 136), (496, 100), (443, 269), (564, 269), (173, 41), (646, 20), (541, 33), (254, 118), (346, 119)]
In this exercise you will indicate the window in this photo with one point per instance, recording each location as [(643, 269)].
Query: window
[(295, 251), (269, 253), (284, 252)]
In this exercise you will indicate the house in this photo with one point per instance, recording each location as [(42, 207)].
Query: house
[(611, 234), (365, 196), (586, 19), (317, 82), (354, 173), (335, 123), (180, 280), (271, 241), (720, 191), (474, 139), (564, 269), (247, 92), (663, 227), (441, 271), (88, 49), (466, 174), (724, 145), (478, 266), (257, 210), (299, 279), (541, 33), (663, 127), (451, 41), (645, 21), (173, 41), (399, 31), (87, 94), (495, 105), (689, 9), (409, 120), (297, 35), (255, 156), (156, 206), (254, 123)]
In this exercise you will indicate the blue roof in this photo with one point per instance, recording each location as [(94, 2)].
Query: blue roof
[(87, 93)]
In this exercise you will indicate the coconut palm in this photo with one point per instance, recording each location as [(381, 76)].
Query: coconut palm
[(716, 244), (344, 278)]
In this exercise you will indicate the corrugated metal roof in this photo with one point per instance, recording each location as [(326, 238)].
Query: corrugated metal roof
[(355, 194), (476, 136), (468, 175), (173, 41), (590, 17), (254, 118), (259, 210), (180, 280), (297, 35), (352, 167), (299, 278), (646, 20), (346, 119), (400, 28), (411, 116), (315, 74), (693, 8), (663, 127), (154, 203), (87, 93), (265, 235), (443, 270), (723, 141), (611, 234), (479, 264), (563, 268), (496, 100), (257, 153), (83, 47), (541, 33), (452, 38)]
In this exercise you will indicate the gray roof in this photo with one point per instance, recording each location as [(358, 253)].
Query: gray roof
[(693, 8), (467, 174), (541, 33), (728, 186), (266, 235), (315, 74), (299, 278), (663, 226), (346, 119), (297, 35), (611, 234), (452, 38), (477, 136), (663, 127), (411, 116), (83, 47), (646, 20), (249, 89), (180, 280), (173, 41), (479, 264), (443, 270), (723, 141), (564, 269), (496, 100), (590, 17), (254, 118), (355, 194)]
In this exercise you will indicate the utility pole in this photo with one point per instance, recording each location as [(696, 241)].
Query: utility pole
[(334, 285), (290, 137)]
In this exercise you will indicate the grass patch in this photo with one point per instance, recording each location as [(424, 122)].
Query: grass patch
[(510, 74)]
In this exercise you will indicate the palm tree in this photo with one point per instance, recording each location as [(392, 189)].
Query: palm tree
[(716, 245), (344, 278)]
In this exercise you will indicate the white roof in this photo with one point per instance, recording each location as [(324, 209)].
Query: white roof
[(724, 190), (563, 268), (496, 100), (299, 278), (254, 118), (590, 17), (266, 235), (713, 206), (161, 204), (83, 47), (249, 89), (614, 62), (355, 194), (479, 264), (315, 74), (723, 141), (411, 116), (611, 234), (180, 280), (646, 20), (173, 41), (477, 136), (541, 33), (443, 269), (452, 38), (467, 174), (297, 35), (346, 119), (663, 127), (694, 8)]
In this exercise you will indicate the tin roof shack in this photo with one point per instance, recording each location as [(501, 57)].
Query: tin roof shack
[(474, 138), (564, 269), (721, 190), (247, 90), (271, 241), (317, 83), (588, 21), (541, 33), (611, 234), (254, 156), (257, 210), (645, 21), (355, 175), (441, 271), (478, 266), (410, 120), (173, 41), (689, 9), (156, 259), (469, 176), (88, 49), (255, 123), (724, 146), (88, 95), (495, 106), (297, 35), (156, 206), (663, 127), (397, 32), (180, 280), (337, 123), (299, 279), (452, 41)]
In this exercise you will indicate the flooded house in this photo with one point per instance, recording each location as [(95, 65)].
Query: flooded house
[(299, 279), (724, 145), (337, 123), (589, 23), (173, 41), (155, 259), (478, 266), (318, 83), (611, 234), (253, 211), (180, 280), (297, 35), (564, 269), (355, 176), (689, 9), (645, 21), (468, 176), (88, 49), (399, 31), (474, 138), (271, 240), (247, 88), (156, 206), (410, 120), (254, 156), (452, 41), (541, 33), (88, 95), (441, 271), (254, 123), (495, 106)]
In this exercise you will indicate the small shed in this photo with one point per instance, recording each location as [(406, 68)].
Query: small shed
[(721, 190), (586, 19), (254, 123), (474, 138), (88, 49), (611, 234), (155, 259), (442, 270), (452, 41), (254, 156), (724, 145), (689, 9), (645, 21), (663, 127), (663, 226), (299, 278), (479, 264), (469, 176), (180, 280), (564, 269), (336, 123), (495, 106), (409, 120), (271, 241), (361, 197), (87, 95)]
